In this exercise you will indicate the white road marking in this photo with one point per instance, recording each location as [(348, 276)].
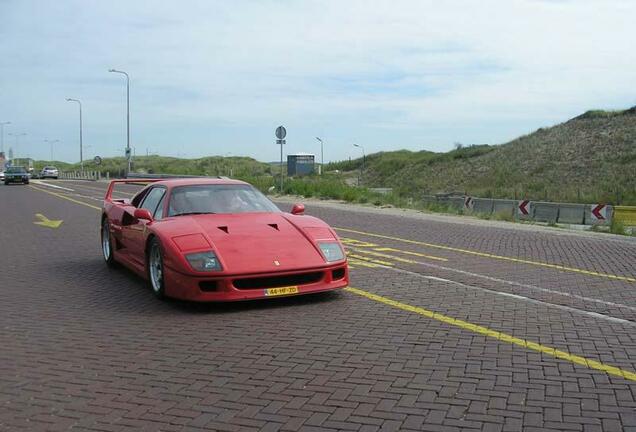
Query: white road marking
[(519, 297), (40, 182)]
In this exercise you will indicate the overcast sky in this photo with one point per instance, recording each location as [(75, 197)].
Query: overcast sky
[(216, 78)]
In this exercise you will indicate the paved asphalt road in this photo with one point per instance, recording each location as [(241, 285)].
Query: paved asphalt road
[(446, 326)]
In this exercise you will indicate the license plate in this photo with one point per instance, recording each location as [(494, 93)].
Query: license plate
[(281, 291)]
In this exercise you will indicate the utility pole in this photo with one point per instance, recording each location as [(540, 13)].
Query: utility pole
[(17, 142), (80, 131), (281, 133), (322, 156), (363, 161), (51, 142), (128, 154), (2, 135)]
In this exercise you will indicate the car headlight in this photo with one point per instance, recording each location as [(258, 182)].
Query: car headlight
[(204, 261), (331, 251)]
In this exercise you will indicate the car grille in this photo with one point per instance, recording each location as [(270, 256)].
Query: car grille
[(278, 281)]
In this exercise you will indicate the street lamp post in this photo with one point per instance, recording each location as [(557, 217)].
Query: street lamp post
[(80, 132), (2, 135), (51, 142), (17, 142), (127, 114), (322, 156), (363, 161)]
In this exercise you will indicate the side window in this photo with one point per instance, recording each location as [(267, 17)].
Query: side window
[(159, 212), (139, 197), (152, 199)]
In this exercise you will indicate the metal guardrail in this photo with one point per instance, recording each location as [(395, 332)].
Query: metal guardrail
[(549, 212), (625, 215)]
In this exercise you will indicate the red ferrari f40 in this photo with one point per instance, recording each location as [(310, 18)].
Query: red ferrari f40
[(219, 240)]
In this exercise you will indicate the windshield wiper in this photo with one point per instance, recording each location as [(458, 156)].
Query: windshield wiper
[(192, 213)]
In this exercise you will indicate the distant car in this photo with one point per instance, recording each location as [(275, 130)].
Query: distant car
[(49, 172), (219, 240), (1, 175), (16, 174)]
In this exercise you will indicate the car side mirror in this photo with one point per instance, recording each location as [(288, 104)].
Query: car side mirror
[(143, 214), (298, 209)]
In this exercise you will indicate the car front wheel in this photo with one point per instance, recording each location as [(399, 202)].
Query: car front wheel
[(156, 268)]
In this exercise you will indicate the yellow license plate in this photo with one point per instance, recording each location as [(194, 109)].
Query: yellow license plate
[(281, 291)]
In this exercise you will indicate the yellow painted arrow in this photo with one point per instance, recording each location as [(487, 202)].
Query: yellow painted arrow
[(44, 221)]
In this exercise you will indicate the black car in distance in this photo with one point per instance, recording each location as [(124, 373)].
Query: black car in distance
[(16, 174)]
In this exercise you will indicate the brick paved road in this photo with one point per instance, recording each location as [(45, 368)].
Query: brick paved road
[(443, 332)]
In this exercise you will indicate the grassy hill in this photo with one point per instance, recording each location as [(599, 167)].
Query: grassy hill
[(213, 165), (590, 158)]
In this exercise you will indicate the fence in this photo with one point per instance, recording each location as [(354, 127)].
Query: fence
[(82, 175)]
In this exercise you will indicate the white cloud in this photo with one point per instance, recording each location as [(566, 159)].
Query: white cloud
[(207, 76)]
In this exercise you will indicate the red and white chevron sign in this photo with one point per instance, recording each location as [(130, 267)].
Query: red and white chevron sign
[(599, 212), (524, 207)]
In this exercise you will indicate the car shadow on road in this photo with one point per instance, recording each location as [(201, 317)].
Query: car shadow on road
[(247, 305)]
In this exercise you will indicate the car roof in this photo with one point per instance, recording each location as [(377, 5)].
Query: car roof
[(199, 181)]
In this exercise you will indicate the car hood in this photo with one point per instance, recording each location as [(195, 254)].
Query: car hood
[(254, 242)]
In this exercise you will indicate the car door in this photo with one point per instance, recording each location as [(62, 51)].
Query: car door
[(134, 233)]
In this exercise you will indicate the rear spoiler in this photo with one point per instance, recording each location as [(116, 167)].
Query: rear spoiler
[(111, 186)]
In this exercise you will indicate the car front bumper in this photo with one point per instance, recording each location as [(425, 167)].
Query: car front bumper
[(223, 289)]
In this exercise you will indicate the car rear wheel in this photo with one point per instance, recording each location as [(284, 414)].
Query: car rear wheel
[(107, 249), (155, 268)]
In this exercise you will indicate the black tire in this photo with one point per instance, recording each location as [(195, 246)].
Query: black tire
[(109, 257), (26, 182), (157, 284)]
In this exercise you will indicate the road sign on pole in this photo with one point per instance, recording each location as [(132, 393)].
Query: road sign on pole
[(97, 160), (281, 133)]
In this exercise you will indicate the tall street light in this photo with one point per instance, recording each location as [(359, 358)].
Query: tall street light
[(363, 160), (51, 142), (17, 142), (322, 156), (2, 135), (80, 131), (127, 114)]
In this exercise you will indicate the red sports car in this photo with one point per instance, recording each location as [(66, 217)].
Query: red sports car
[(219, 240)]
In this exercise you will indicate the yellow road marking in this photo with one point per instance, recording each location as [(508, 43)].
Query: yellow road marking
[(362, 263), (44, 221), (572, 358), (358, 243), (395, 258), (371, 260), (493, 256), (66, 198), (417, 254)]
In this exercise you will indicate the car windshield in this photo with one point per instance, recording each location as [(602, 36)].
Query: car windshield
[(50, 168), (218, 198), (15, 170)]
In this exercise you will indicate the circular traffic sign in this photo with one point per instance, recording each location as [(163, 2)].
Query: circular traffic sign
[(97, 160), (281, 133)]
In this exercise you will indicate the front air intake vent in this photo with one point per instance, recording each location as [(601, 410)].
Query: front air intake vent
[(278, 281)]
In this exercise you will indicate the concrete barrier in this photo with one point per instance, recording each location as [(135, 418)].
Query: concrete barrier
[(504, 207), (546, 212), (572, 213), (482, 205), (625, 215)]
